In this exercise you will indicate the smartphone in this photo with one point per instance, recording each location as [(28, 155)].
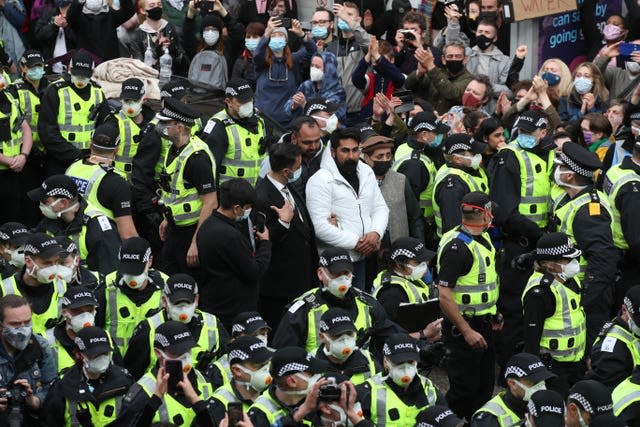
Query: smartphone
[(174, 369), (234, 412), (261, 220), (626, 49), (205, 6), (285, 22)]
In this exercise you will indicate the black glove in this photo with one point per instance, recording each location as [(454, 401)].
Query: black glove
[(154, 218)]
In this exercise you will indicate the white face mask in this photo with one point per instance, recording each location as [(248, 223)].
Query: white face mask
[(97, 366), (80, 82), (181, 312), (135, 281), (529, 391), (341, 422), (403, 373), (569, 270), (417, 271), (211, 37), (93, 5), (330, 124), (316, 74), (259, 379), (311, 381), (474, 161), (186, 360), (245, 110), (244, 216), (48, 212), (263, 338), (45, 274), (339, 286), (65, 273), (557, 177), (340, 348), (17, 257), (82, 320), (131, 108)]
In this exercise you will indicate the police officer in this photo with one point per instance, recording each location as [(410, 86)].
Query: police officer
[(418, 159), (584, 215), (100, 184), (40, 280), (622, 186), (555, 324), (13, 236), (69, 109), (587, 400), (149, 400), (468, 287), (236, 135), (437, 416), (132, 118), (398, 397), (249, 365), (68, 214), (78, 275), (520, 187), (79, 306), (626, 399), (26, 363), (180, 303), (404, 282), (617, 349), (131, 293), (188, 187), (300, 325), (524, 375), (323, 112), (461, 174), (90, 392), (545, 409), (338, 348)]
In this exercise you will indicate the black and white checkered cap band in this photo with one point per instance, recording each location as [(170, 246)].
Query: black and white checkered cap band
[(317, 107), (238, 354), (516, 370), (557, 250), (531, 407), (237, 328), (458, 147), (402, 252), (629, 306), (174, 115), (54, 192), (162, 340), (323, 326), (4, 236), (575, 167), (423, 424), (424, 126), (292, 368), (80, 344), (635, 116), (582, 401)]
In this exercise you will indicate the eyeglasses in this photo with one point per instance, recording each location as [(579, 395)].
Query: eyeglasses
[(320, 22)]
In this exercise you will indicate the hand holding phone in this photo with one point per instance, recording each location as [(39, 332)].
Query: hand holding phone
[(174, 369), (234, 411)]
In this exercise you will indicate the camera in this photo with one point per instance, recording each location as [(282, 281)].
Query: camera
[(330, 392), (16, 398), (285, 22), (205, 6), (432, 354), (408, 34)]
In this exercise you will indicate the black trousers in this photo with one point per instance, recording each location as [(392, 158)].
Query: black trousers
[(568, 373), (174, 251), (272, 308), (471, 372), (16, 206)]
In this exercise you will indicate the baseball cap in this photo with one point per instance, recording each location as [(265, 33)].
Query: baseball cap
[(404, 248), (475, 200), (400, 348), (43, 246), (462, 142), (14, 233), (106, 136), (592, 396), (79, 296), (173, 109), (336, 321), (248, 322), (55, 186), (531, 120), (239, 89), (631, 302), (336, 260), (248, 348), (82, 64), (174, 89), (547, 408), (67, 244), (134, 255), (437, 416), (525, 365), (427, 121), (554, 246), (181, 288), (318, 105), (174, 337), (132, 88), (31, 58), (92, 341), (579, 159), (291, 360)]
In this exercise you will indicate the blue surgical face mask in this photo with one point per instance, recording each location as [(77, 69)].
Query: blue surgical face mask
[(343, 26), (319, 32), (527, 141), (550, 78), (277, 45), (582, 85), (437, 140), (296, 175), (35, 73), (251, 44), (244, 216)]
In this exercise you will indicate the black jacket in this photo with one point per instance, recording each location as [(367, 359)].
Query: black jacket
[(46, 33), (230, 267), (294, 256), (611, 360)]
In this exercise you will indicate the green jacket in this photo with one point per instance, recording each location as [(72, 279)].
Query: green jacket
[(439, 88)]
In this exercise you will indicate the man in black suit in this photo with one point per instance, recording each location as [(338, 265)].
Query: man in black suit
[(294, 255)]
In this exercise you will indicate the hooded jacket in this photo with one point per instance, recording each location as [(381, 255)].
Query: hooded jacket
[(498, 67), (358, 211)]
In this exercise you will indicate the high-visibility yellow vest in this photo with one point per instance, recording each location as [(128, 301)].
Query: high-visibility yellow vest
[(416, 290), (106, 411), (88, 177), (614, 180), (404, 153), (384, 400), (29, 104), (74, 114), (627, 338), (496, 407), (13, 146), (624, 395), (128, 147), (61, 356), (272, 410), (225, 395)]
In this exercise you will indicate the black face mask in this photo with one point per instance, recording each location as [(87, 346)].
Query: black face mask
[(454, 67), (381, 167), (349, 167), (483, 42), (487, 15), (155, 13)]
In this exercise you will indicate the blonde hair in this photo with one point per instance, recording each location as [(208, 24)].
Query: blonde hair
[(566, 79)]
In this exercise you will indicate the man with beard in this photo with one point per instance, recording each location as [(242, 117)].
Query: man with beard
[(347, 190)]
